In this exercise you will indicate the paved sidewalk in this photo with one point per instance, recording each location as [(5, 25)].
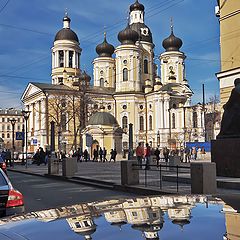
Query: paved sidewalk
[(108, 174)]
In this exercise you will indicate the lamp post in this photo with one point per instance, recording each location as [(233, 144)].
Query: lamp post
[(13, 121), (158, 139), (26, 114)]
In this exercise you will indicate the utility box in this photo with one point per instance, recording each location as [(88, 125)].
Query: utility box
[(203, 178)]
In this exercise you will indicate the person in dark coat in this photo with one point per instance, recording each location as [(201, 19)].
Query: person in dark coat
[(41, 156), (104, 154), (8, 158), (85, 155), (101, 154), (157, 154)]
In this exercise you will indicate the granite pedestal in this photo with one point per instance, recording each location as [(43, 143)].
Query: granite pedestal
[(226, 154)]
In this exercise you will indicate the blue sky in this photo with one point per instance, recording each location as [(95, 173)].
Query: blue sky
[(27, 30)]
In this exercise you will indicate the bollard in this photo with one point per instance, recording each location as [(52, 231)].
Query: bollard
[(69, 167), (53, 166), (203, 178), (128, 175)]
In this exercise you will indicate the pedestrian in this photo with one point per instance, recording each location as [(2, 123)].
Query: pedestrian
[(166, 154), (157, 154), (139, 153), (187, 154), (101, 154), (147, 156), (203, 152), (8, 158), (95, 155), (78, 155), (85, 155), (113, 155), (42, 155), (194, 153), (104, 154)]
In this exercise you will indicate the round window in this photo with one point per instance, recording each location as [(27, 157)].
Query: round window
[(125, 61), (141, 107), (124, 107), (109, 107), (101, 72), (150, 106)]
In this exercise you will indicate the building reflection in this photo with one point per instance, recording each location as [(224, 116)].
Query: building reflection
[(145, 215)]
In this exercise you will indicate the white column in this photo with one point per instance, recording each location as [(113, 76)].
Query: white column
[(166, 113), (43, 140)]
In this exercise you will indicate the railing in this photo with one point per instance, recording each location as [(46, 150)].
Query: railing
[(154, 176)]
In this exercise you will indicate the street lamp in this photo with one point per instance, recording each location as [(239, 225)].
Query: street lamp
[(158, 139), (13, 121), (26, 114)]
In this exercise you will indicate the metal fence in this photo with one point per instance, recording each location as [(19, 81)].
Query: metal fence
[(165, 177)]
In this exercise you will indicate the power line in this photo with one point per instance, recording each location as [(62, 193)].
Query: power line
[(4, 6)]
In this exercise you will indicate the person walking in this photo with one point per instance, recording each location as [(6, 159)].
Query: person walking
[(157, 154), (104, 154), (113, 155), (101, 154), (139, 153), (147, 156), (95, 155), (85, 155), (166, 154), (8, 158)]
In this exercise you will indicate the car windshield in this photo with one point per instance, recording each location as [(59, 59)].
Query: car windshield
[(3, 181)]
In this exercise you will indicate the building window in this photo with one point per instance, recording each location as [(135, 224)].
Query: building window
[(124, 122), (8, 135), (3, 135), (173, 120), (61, 58), (141, 123), (150, 123), (195, 125), (101, 82), (18, 127), (8, 127), (125, 74), (125, 61), (60, 80), (145, 66), (3, 119), (124, 107), (3, 127), (70, 61), (109, 107)]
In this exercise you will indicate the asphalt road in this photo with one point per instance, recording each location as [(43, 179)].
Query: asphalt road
[(44, 193)]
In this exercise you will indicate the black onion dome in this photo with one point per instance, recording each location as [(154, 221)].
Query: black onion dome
[(172, 43), (136, 6), (66, 34), (144, 32), (128, 36), (105, 49)]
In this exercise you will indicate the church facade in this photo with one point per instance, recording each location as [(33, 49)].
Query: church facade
[(126, 88)]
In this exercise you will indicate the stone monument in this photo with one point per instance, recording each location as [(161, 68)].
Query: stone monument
[(225, 150)]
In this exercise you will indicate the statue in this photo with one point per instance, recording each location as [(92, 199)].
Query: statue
[(230, 125)]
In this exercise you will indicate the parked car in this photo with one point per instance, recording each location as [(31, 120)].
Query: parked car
[(11, 200), (3, 165), (146, 218)]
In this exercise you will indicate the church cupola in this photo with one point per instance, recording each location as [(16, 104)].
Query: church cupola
[(105, 49), (172, 43), (128, 36), (136, 7), (66, 54)]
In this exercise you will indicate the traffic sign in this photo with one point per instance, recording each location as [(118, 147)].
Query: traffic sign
[(19, 135)]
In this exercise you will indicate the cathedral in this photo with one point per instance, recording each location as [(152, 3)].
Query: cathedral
[(128, 88)]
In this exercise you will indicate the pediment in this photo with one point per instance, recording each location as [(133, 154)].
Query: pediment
[(31, 90)]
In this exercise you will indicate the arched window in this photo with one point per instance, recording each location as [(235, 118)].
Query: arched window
[(124, 122), (173, 120), (101, 82), (125, 74), (61, 58), (195, 122), (150, 123), (8, 135), (141, 123), (3, 135), (145, 66)]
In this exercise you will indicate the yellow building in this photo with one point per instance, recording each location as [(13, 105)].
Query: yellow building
[(126, 86), (229, 20)]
